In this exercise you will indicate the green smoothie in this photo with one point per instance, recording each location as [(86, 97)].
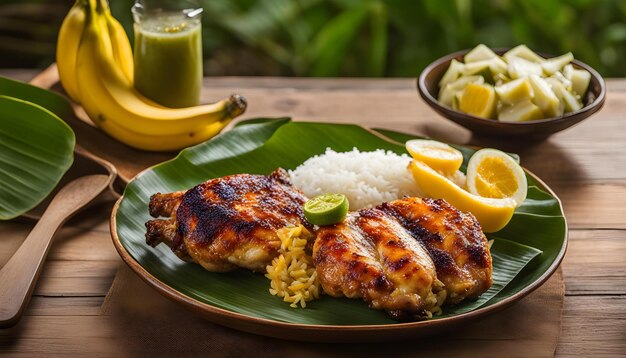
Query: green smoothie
[(168, 60)]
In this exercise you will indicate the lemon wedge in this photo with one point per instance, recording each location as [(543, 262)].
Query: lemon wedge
[(492, 214), (494, 174), (439, 156)]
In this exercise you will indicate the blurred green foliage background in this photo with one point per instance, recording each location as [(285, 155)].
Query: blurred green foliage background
[(351, 37)]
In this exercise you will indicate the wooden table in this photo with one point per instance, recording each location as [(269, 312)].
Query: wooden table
[(585, 165)]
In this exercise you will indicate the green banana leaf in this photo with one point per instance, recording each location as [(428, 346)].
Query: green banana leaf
[(36, 149), (49, 100), (522, 252)]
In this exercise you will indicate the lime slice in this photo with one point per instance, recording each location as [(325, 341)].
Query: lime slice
[(326, 209)]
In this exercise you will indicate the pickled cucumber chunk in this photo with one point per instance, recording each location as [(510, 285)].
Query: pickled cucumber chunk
[(493, 66), (521, 111), (579, 78), (522, 51), (479, 53), (570, 102), (555, 64), (544, 97), (580, 81), (453, 72), (564, 80), (520, 68), (514, 91)]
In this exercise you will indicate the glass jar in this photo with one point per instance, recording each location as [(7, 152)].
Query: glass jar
[(168, 51)]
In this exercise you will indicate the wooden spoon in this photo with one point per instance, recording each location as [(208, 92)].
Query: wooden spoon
[(18, 276)]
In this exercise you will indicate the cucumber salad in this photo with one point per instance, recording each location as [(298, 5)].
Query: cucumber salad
[(517, 86)]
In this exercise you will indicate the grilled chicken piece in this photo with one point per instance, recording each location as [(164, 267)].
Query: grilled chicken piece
[(453, 238), (227, 222), (370, 255), (406, 257)]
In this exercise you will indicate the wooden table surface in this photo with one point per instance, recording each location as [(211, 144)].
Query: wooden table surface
[(585, 165)]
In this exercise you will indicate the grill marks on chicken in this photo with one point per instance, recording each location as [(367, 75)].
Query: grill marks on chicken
[(455, 241), (227, 222), (406, 257), (371, 256)]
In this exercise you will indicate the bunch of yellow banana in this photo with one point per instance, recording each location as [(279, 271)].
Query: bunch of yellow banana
[(95, 64)]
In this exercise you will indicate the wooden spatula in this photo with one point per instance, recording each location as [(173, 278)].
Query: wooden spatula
[(18, 276)]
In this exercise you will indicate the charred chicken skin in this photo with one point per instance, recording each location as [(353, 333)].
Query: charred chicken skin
[(227, 222), (454, 240), (371, 256)]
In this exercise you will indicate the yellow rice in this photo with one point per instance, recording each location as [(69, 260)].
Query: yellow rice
[(292, 273)]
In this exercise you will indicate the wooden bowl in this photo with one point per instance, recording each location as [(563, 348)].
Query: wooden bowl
[(428, 87)]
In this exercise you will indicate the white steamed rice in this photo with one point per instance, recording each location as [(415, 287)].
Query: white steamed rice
[(366, 178)]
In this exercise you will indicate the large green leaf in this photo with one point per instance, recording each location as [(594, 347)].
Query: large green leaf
[(49, 100), (260, 146), (36, 149), (329, 47), (377, 56)]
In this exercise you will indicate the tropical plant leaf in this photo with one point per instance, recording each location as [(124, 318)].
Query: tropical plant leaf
[(262, 145), (329, 47), (36, 149), (378, 44)]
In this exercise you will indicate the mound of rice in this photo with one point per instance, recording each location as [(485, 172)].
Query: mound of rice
[(366, 178)]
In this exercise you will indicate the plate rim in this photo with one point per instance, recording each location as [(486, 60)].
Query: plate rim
[(255, 325)]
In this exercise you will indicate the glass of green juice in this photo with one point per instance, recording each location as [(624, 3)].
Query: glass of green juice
[(168, 51)]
